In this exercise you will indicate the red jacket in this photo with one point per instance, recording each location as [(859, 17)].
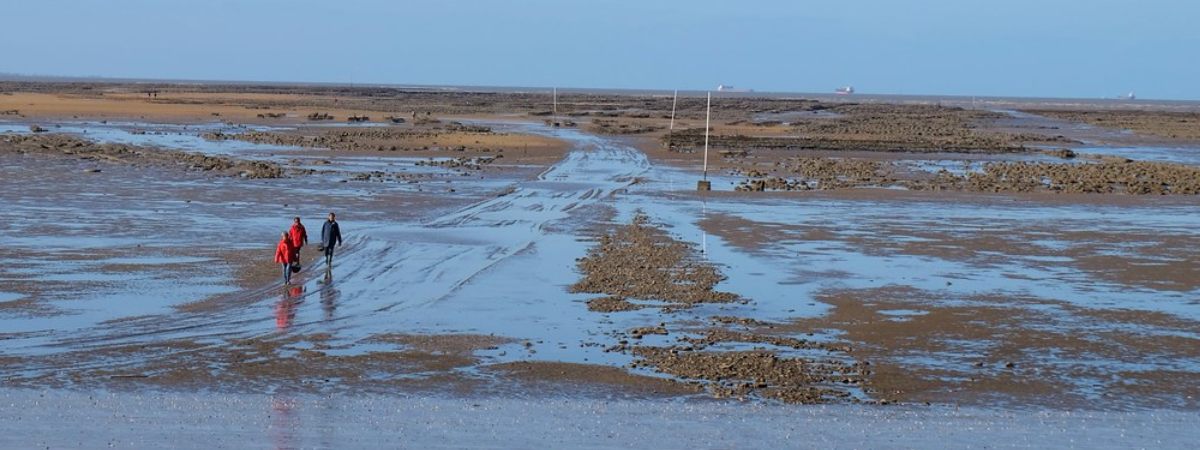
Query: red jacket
[(283, 252), (298, 235)]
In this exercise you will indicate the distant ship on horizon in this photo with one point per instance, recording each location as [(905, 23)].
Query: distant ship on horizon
[(1129, 96), (844, 90), (730, 88)]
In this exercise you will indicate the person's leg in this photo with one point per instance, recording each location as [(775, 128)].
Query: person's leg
[(328, 254), (287, 273)]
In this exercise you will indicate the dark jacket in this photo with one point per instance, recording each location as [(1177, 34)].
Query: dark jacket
[(330, 234)]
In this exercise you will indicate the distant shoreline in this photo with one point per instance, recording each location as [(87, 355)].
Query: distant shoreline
[(829, 96)]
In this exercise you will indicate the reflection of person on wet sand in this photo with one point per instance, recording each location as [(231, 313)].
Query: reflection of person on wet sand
[(283, 423), (285, 310), (284, 254), (331, 234), (299, 237), (329, 294)]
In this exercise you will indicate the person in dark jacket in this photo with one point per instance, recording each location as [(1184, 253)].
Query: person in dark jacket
[(330, 234), (284, 255)]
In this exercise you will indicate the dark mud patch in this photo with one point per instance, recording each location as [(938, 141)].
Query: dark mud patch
[(568, 378), (1014, 350), (450, 344), (1106, 176), (452, 140), (62, 146), (826, 373), (618, 127), (1176, 125), (757, 236), (743, 321), (761, 373), (301, 363), (612, 304), (1132, 259), (642, 262), (28, 307), (909, 128)]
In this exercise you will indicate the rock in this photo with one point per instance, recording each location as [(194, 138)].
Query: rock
[(1064, 153)]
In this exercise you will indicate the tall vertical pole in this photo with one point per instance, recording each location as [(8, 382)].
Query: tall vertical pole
[(671, 129), (707, 116), (556, 101), (674, 101)]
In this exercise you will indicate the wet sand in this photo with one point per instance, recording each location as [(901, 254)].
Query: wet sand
[(183, 420), (465, 281)]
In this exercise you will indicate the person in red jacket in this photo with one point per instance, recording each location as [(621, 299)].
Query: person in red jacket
[(285, 254), (299, 238)]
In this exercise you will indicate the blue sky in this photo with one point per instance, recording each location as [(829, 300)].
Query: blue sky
[(1094, 48)]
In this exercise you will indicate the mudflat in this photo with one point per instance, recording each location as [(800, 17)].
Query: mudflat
[(853, 253)]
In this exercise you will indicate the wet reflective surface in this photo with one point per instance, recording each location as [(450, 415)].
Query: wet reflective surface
[(132, 420), (128, 261)]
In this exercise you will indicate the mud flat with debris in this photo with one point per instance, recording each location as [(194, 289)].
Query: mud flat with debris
[(1174, 125), (68, 147), (638, 261), (438, 140), (587, 280), (1103, 176)]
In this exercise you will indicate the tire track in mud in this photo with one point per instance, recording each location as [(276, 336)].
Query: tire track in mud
[(382, 270), (545, 204)]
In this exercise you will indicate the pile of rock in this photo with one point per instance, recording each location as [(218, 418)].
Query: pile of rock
[(54, 145), (823, 174), (642, 262), (617, 127), (460, 163), (1105, 177)]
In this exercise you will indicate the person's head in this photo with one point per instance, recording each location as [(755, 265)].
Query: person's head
[(296, 220), (332, 217), (283, 235)]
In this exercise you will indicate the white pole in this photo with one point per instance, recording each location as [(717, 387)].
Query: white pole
[(674, 101), (707, 115), (555, 101)]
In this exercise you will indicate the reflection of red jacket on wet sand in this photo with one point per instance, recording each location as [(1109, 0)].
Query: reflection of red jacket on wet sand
[(285, 310), (299, 237), (285, 253)]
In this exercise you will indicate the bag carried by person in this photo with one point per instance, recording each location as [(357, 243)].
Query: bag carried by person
[(295, 267)]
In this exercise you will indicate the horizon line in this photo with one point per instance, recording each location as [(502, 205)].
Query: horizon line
[(483, 88)]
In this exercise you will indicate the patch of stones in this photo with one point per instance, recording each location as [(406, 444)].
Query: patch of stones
[(642, 262)]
